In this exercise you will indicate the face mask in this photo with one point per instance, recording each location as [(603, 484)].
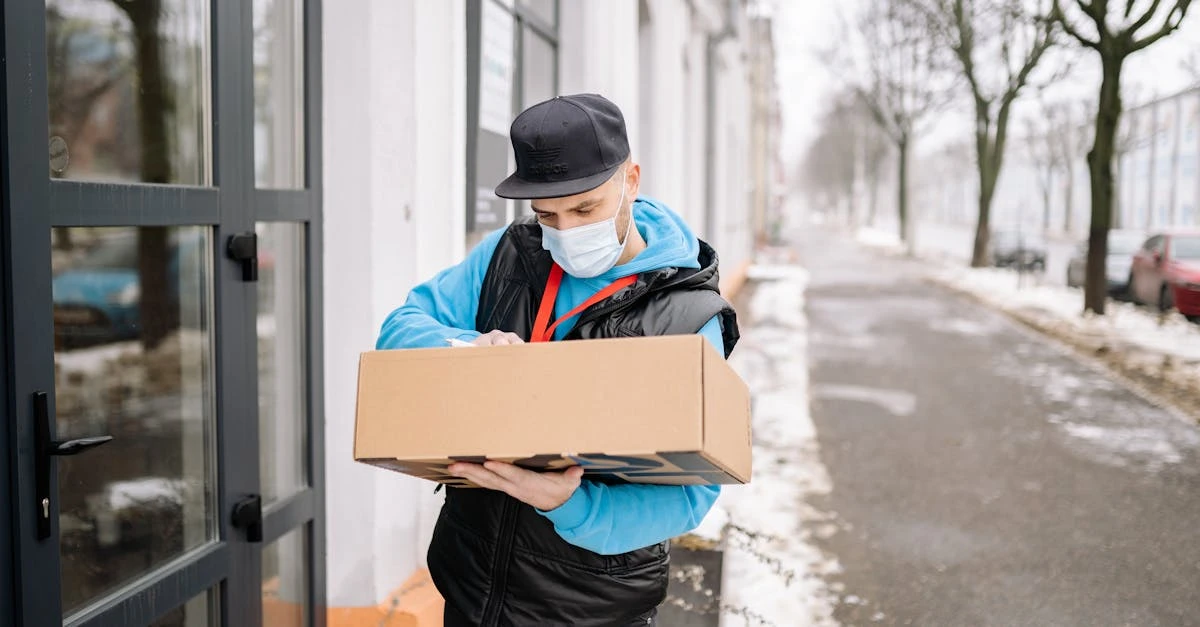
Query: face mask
[(592, 249)]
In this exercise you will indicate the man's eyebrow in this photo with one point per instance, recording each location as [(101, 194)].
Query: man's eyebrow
[(583, 205)]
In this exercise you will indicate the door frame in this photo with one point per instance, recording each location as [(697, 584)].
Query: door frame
[(33, 204)]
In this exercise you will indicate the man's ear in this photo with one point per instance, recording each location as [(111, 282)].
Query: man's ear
[(635, 180)]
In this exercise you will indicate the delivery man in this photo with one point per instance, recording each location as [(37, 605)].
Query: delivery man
[(550, 548)]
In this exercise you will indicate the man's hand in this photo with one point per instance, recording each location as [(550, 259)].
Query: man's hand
[(543, 490), (497, 338)]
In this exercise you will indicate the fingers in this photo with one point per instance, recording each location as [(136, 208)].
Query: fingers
[(498, 338), (481, 476), (543, 490)]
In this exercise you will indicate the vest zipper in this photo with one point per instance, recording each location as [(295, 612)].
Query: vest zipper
[(508, 529)]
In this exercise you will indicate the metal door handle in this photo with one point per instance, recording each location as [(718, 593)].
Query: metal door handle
[(247, 515), (46, 448)]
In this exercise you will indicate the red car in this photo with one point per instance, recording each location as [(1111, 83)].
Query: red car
[(1166, 272)]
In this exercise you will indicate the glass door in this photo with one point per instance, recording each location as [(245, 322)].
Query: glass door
[(159, 263)]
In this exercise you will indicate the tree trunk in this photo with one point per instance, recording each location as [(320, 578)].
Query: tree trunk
[(159, 316), (1100, 168), (873, 199), (1069, 199), (902, 186), (1046, 207), (988, 172)]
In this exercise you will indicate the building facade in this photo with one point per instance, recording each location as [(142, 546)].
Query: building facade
[(209, 207)]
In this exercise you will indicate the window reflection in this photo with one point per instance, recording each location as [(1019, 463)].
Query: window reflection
[(278, 93), (132, 329), (128, 88), (282, 359), (286, 570)]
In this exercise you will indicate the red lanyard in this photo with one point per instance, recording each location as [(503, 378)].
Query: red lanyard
[(543, 334)]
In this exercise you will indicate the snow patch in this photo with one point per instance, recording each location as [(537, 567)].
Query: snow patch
[(773, 572)]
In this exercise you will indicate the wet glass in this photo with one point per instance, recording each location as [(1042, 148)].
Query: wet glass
[(537, 68), (278, 93), (282, 360), (201, 611), (546, 10), (285, 568), (129, 89), (133, 359)]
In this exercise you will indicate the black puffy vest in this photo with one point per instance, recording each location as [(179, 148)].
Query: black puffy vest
[(495, 560)]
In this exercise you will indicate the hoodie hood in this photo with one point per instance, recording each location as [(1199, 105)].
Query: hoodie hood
[(669, 241)]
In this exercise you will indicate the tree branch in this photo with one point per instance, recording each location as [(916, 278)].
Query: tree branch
[(1144, 19), (1174, 19), (1057, 15)]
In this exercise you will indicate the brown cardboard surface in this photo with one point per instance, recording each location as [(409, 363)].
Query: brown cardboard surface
[(648, 410)]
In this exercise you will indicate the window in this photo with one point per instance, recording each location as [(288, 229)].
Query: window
[(512, 63)]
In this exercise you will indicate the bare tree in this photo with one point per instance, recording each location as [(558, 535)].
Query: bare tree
[(902, 80), (1069, 139), (997, 45), (159, 316), (874, 148), (1114, 30), (1041, 141), (828, 170)]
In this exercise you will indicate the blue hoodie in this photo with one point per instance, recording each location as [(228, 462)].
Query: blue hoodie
[(606, 519)]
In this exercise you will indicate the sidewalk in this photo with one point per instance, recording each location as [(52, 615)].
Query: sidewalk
[(1158, 353), (773, 573)]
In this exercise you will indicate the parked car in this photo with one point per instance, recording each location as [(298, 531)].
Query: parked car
[(97, 297), (1122, 244), (1166, 272), (1020, 249)]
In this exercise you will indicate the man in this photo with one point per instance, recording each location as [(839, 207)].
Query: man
[(551, 548)]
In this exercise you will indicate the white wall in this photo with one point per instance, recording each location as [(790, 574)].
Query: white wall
[(394, 215)]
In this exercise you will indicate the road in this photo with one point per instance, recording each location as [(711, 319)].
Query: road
[(980, 474)]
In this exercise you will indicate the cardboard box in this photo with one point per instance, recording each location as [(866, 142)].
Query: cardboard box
[(664, 410)]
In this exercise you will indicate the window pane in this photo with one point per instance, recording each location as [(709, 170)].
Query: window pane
[(201, 611), (278, 93), (285, 568), (129, 90), (537, 69), (282, 359), (133, 359), (544, 9)]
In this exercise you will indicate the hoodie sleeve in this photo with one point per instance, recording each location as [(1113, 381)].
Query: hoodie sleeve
[(443, 307), (611, 519)]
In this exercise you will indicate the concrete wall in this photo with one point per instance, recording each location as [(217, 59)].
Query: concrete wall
[(394, 152), (394, 215)]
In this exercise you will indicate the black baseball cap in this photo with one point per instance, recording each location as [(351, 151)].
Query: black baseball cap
[(565, 146)]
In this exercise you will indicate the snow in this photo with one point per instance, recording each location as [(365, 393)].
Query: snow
[(1124, 325), (896, 402), (125, 494), (773, 573)]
